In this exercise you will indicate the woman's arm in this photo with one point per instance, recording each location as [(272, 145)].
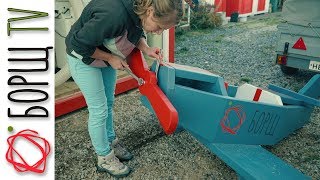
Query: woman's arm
[(99, 54), (153, 52), (97, 26), (115, 61), (142, 45)]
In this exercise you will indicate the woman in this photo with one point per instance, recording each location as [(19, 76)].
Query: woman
[(97, 45)]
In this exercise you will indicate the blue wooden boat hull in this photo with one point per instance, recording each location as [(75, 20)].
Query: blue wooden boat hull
[(233, 128), (210, 111)]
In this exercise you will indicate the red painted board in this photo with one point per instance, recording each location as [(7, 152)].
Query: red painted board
[(164, 110), (76, 101)]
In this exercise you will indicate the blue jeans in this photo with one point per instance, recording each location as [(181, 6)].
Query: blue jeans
[(97, 86)]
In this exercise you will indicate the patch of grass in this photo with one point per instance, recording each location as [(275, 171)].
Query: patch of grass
[(273, 21), (180, 32), (198, 32), (182, 38), (219, 38), (296, 88), (247, 80), (183, 50), (213, 49), (181, 35)]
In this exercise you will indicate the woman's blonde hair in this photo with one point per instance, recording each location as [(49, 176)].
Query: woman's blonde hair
[(165, 11)]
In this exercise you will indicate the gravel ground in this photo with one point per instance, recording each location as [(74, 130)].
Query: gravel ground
[(238, 52)]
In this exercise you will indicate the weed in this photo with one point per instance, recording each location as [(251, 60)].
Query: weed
[(219, 38), (184, 49), (205, 18), (247, 80)]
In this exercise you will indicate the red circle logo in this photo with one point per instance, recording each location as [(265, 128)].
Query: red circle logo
[(18, 161), (226, 123)]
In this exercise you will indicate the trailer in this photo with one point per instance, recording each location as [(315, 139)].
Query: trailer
[(299, 43)]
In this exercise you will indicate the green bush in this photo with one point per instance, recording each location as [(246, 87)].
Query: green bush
[(204, 18)]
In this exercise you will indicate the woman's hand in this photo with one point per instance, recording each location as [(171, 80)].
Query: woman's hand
[(117, 62), (153, 52)]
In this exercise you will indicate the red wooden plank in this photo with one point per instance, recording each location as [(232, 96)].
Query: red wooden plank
[(68, 104), (164, 110), (171, 44), (76, 101), (125, 84)]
